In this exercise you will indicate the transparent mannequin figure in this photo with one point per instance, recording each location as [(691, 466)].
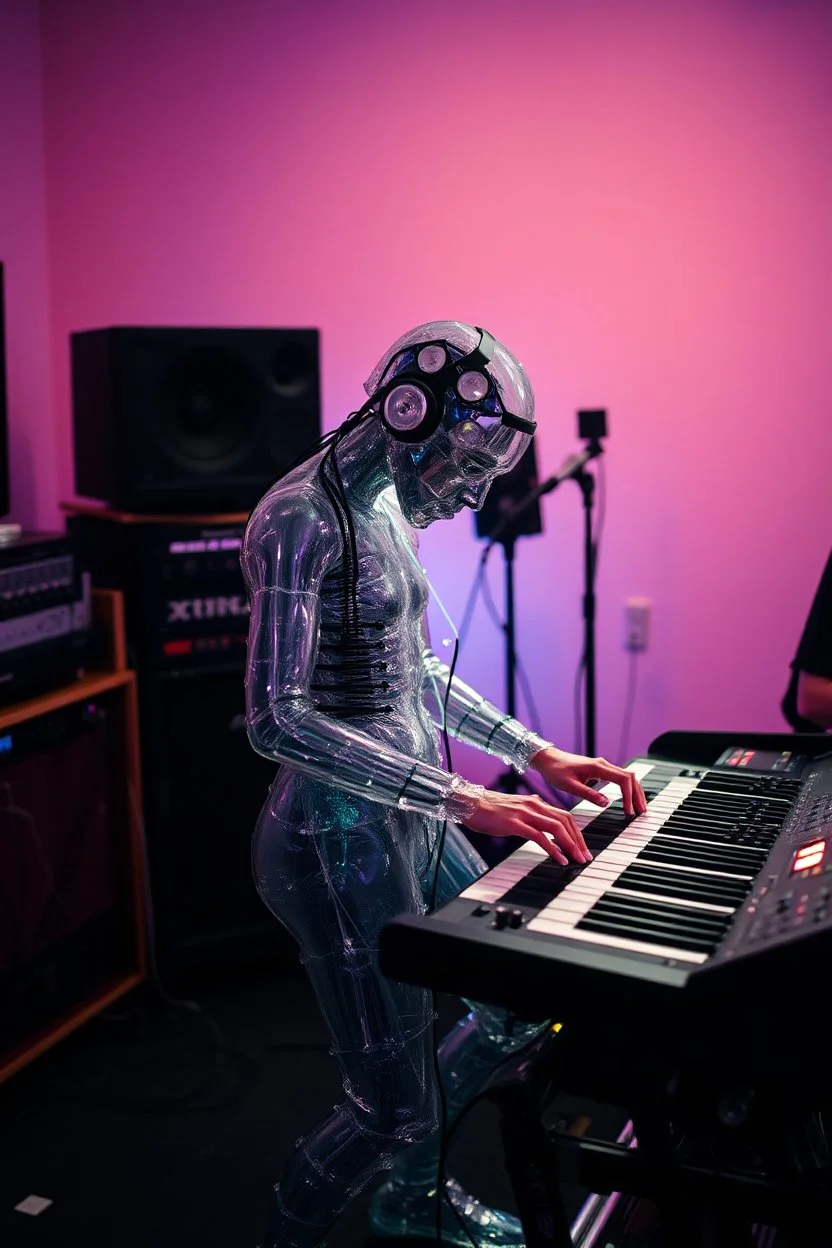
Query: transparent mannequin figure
[(339, 683)]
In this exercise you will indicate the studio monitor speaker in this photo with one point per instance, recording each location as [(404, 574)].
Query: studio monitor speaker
[(188, 419)]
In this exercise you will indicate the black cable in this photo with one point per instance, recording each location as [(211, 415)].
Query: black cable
[(351, 422), (445, 1138), (342, 517), (311, 450), (351, 571), (439, 844), (448, 1135), (473, 594), (629, 704)]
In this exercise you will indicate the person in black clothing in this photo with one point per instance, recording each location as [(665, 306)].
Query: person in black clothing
[(807, 704)]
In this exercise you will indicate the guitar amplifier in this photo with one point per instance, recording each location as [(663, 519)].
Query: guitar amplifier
[(185, 599), (187, 621), (46, 626)]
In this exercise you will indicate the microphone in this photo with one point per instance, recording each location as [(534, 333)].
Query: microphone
[(571, 466)]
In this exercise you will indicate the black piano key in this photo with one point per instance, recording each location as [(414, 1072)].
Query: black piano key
[(646, 926), (701, 794), (541, 885), (724, 823), (716, 809), (692, 856), (730, 836), (617, 800), (715, 804), (736, 782), (723, 811), (660, 915), (679, 884), (611, 822), (731, 857), (710, 883), (694, 861), (595, 844), (720, 827), (693, 864), (611, 927), (723, 817), (758, 845)]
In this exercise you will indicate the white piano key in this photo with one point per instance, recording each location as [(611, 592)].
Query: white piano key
[(481, 891), (640, 770), (607, 865)]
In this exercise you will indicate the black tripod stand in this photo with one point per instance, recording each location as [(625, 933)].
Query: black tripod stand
[(586, 481), (509, 781)]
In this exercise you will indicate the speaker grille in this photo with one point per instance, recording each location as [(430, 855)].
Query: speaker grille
[(208, 406), (182, 419)]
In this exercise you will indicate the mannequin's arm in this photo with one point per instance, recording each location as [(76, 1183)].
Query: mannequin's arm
[(475, 720), (290, 545)]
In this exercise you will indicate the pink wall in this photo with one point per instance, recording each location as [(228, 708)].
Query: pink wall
[(32, 437), (635, 196)]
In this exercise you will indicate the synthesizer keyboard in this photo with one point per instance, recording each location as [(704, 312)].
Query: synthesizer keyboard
[(719, 893)]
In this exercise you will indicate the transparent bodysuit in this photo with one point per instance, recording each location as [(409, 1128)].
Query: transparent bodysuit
[(348, 837)]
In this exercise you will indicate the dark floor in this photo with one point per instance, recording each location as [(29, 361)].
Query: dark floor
[(143, 1135)]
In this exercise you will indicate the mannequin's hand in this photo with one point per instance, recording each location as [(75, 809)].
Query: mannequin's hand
[(571, 773), (510, 814)]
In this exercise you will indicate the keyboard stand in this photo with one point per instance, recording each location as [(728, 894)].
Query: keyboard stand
[(700, 1203), (531, 1165), (519, 1089), (689, 1218)]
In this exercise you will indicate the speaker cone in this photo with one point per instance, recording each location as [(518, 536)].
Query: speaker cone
[(208, 407)]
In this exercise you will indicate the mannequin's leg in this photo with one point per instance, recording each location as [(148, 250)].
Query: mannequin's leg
[(334, 893)]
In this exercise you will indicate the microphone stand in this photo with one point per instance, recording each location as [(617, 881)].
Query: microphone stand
[(586, 481), (572, 468), (509, 781)]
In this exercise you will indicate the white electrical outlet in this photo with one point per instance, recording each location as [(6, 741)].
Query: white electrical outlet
[(637, 623)]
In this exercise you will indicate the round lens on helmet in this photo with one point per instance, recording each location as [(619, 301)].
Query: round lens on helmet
[(472, 387), (431, 358), (467, 434), (405, 408)]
